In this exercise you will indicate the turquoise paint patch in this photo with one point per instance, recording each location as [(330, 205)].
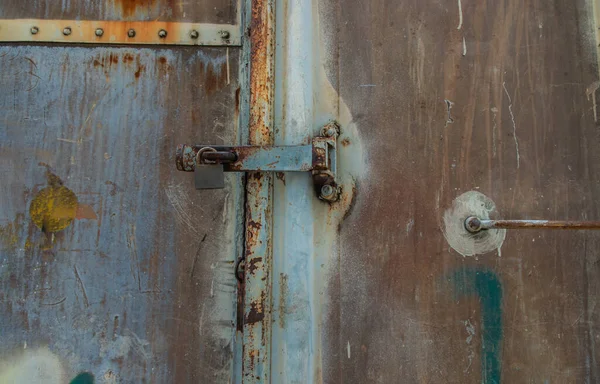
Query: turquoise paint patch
[(486, 285), (83, 378)]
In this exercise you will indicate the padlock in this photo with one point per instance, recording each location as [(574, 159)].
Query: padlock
[(208, 175)]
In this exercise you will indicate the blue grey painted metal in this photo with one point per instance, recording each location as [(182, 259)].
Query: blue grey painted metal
[(295, 332), (140, 287)]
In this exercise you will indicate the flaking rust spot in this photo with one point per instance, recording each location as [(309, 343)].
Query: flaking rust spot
[(256, 313)]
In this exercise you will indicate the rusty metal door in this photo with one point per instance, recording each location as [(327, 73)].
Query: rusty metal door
[(447, 109), (113, 269)]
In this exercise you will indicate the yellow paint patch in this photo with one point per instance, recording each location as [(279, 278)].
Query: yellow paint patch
[(8, 235), (54, 207)]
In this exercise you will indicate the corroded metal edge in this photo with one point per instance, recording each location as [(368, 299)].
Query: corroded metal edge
[(257, 324), (119, 32)]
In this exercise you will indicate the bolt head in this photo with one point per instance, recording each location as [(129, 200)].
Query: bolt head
[(473, 224), (194, 34), (131, 33), (67, 31), (99, 32), (162, 33), (225, 34), (34, 30), (327, 192), (330, 130)]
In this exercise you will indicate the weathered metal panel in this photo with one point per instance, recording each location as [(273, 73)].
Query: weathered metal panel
[(451, 97), (205, 11), (110, 262)]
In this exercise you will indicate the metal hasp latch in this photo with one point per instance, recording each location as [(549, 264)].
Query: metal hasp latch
[(209, 162)]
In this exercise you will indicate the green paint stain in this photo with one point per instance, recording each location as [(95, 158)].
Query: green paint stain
[(486, 285), (83, 378)]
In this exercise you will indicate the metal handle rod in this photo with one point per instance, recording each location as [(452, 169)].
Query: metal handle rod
[(474, 224)]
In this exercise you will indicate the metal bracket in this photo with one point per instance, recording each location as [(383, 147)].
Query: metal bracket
[(319, 158), (118, 32)]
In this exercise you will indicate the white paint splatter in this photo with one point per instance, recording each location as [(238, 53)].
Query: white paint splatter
[(39, 366), (464, 47), (494, 128), (591, 91), (410, 225), (227, 65), (348, 349), (180, 200), (449, 119), (470, 330), (471, 203), (460, 15), (514, 124), (470, 357)]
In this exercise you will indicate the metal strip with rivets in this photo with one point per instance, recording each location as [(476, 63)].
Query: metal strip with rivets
[(118, 32)]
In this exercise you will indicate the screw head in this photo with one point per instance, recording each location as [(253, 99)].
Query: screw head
[(194, 34), (225, 34), (99, 32), (34, 30), (162, 33), (131, 33), (67, 31)]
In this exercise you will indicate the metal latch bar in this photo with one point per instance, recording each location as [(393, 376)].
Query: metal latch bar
[(249, 158), (474, 224)]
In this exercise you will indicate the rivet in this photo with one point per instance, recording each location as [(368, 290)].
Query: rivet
[(34, 30), (99, 32), (67, 31), (162, 33), (131, 33), (194, 34), (224, 34)]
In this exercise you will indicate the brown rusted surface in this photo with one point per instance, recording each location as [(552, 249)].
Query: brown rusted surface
[(439, 117), (262, 52), (319, 158), (255, 314), (205, 11), (134, 289)]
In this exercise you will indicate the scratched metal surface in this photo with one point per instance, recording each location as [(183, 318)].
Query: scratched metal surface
[(497, 97), (139, 287), (205, 11)]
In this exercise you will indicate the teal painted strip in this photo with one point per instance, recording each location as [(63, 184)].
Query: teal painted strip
[(83, 378), (486, 285)]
